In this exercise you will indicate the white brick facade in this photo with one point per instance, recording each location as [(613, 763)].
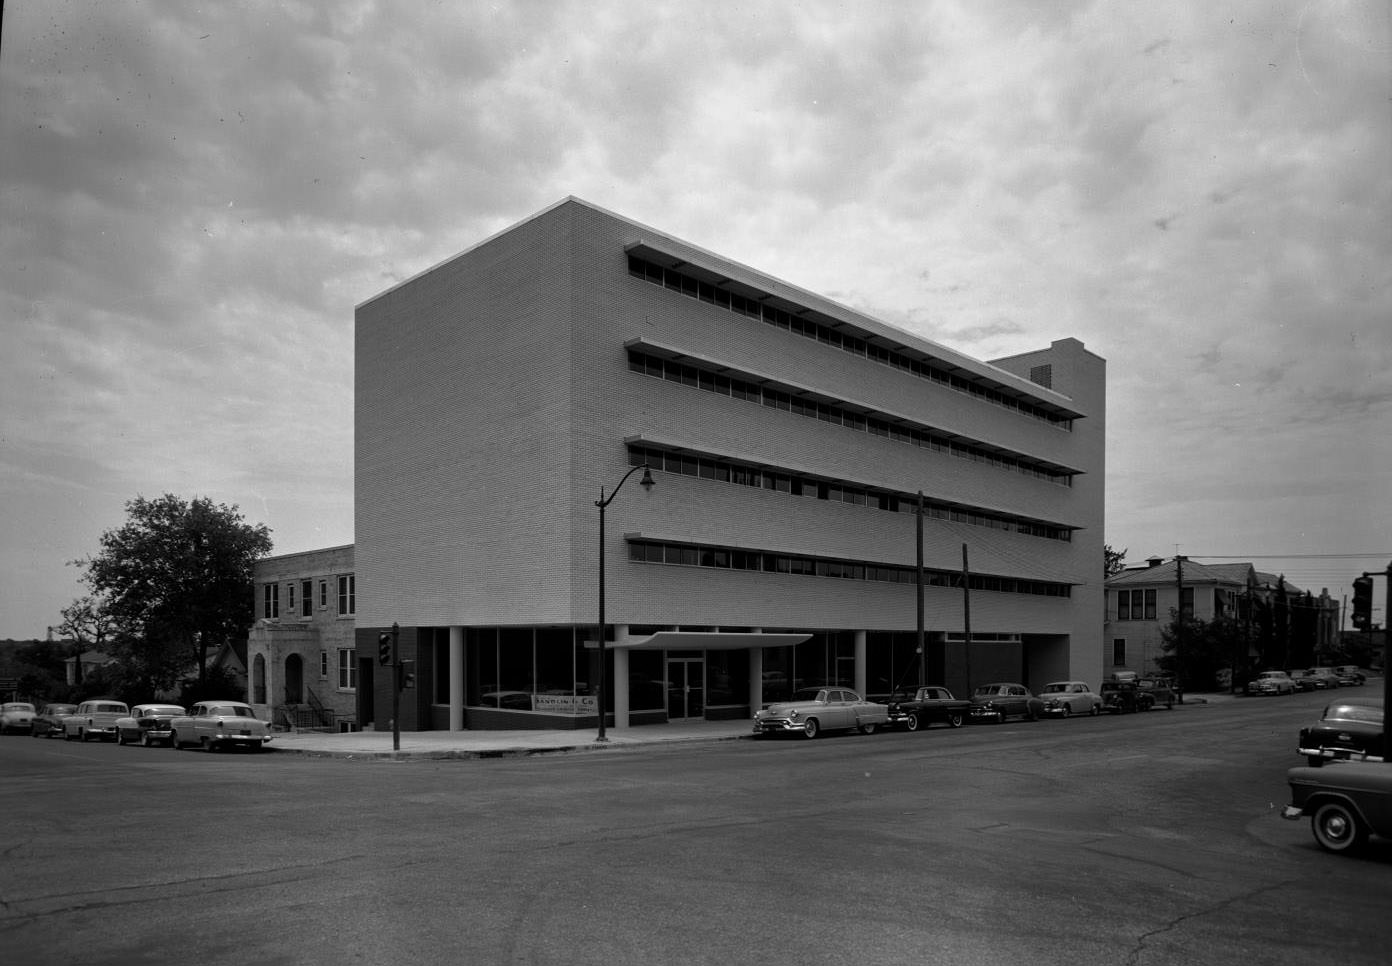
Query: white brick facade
[(495, 399)]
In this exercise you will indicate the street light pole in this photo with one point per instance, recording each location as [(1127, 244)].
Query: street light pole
[(647, 483)]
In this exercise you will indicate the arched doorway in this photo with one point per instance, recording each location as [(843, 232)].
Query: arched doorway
[(258, 680), (294, 679)]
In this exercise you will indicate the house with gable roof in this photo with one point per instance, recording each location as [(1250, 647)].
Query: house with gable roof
[(1289, 627)]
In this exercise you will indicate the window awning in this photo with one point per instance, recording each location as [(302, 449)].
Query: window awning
[(707, 640)]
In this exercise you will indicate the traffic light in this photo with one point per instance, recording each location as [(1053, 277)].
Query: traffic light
[(1362, 602), (384, 648), (408, 674)]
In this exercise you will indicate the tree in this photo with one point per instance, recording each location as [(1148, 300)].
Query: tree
[(88, 624), (178, 578), (1115, 561), (1209, 648)]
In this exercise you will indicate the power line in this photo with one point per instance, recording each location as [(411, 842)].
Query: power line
[(1288, 556)]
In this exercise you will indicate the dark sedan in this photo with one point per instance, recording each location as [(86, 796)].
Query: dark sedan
[(997, 702), (1349, 728), (48, 723), (1346, 803)]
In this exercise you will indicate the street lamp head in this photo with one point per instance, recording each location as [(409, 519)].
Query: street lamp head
[(647, 482)]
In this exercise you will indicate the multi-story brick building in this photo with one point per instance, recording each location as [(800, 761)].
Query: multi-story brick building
[(302, 663), (501, 394)]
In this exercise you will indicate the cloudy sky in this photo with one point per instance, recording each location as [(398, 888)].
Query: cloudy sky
[(194, 196)]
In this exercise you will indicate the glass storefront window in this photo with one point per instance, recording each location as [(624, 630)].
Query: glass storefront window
[(778, 673), (555, 660), (727, 678), (646, 687), (515, 659), (482, 676)]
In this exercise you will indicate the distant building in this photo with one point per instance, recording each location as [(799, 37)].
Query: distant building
[(1290, 628), (301, 661), (502, 393)]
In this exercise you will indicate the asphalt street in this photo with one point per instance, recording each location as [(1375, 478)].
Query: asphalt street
[(1149, 838)]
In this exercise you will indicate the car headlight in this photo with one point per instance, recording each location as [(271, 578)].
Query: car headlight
[(792, 714)]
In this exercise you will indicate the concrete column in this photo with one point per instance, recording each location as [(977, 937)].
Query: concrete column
[(456, 682), (619, 686), (860, 663), (756, 679)]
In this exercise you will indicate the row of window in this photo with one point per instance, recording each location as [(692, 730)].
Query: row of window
[(690, 375), (1139, 605), (730, 472), (270, 597), (726, 558), (1135, 605), (692, 287)]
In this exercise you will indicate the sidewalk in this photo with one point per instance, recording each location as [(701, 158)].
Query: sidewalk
[(501, 744), (498, 744)]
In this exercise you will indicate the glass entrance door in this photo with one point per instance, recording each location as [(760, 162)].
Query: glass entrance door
[(686, 688)]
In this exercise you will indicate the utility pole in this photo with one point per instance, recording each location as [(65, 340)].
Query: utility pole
[(922, 651), (966, 615), (1179, 626), (1386, 655)]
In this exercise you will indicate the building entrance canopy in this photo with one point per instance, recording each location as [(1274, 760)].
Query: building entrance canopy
[(706, 640)]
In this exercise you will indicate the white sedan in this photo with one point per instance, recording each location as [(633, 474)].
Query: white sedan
[(217, 724), (1065, 698)]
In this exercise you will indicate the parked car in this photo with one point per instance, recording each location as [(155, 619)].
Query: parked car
[(1271, 682), (1350, 675), (1324, 677), (147, 724), (923, 706), (1161, 691), (16, 717), (49, 721), (811, 711), (1346, 803), (999, 701), (215, 724), (1065, 698), (1304, 680), (1348, 728), (94, 719), (1123, 696)]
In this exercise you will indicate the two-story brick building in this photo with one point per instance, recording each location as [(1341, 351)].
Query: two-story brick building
[(1288, 627), (302, 663)]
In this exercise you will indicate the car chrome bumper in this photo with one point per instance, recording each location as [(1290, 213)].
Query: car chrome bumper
[(985, 714), (1338, 754), (777, 725)]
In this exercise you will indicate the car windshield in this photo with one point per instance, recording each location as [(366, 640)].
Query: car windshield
[(989, 689), (116, 708), (1354, 712), (163, 709), (1054, 689), (19, 706)]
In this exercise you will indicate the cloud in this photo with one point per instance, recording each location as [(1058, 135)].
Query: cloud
[(197, 196)]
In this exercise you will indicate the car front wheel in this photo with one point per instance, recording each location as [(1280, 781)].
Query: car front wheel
[(810, 728), (1338, 828), (174, 741), (1068, 711), (912, 723), (955, 719), (869, 727)]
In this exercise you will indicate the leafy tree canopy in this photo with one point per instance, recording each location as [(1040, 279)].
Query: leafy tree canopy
[(177, 578), (1116, 561)]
